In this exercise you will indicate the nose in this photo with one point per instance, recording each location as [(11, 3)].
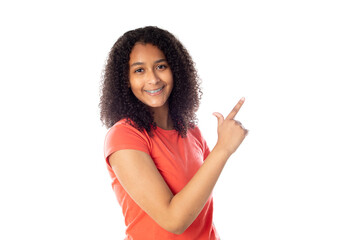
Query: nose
[(153, 78)]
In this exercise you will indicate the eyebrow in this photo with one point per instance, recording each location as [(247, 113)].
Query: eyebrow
[(141, 63)]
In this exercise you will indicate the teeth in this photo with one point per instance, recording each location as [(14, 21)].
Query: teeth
[(154, 91)]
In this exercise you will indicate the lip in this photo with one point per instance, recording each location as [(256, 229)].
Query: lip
[(156, 93)]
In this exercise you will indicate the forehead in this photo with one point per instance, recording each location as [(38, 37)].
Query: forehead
[(145, 53)]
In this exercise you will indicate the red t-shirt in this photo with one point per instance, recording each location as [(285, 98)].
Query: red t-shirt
[(177, 160)]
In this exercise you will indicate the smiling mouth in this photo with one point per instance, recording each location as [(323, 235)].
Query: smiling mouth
[(155, 91)]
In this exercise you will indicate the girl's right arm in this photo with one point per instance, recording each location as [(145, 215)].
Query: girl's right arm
[(139, 176)]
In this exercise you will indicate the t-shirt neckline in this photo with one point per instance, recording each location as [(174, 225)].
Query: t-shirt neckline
[(165, 130)]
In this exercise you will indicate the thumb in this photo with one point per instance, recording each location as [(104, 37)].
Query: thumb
[(220, 118)]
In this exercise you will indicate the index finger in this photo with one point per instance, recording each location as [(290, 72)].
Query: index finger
[(236, 109)]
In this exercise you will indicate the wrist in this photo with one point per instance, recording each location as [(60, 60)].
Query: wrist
[(222, 151)]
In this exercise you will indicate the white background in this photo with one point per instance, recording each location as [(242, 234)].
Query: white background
[(296, 175)]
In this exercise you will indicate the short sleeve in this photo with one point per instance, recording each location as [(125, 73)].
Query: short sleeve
[(206, 149), (124, 136), (204, 146)]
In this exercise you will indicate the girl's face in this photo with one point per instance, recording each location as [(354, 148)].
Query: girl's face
[(150, 76)]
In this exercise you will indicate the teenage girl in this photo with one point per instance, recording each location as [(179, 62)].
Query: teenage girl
[(162, 170)]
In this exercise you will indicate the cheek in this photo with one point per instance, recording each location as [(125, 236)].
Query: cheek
[(135, 84), (170, 80)]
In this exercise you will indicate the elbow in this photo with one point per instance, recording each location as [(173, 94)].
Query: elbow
[(176, 221), (176, 227), (179, 232)]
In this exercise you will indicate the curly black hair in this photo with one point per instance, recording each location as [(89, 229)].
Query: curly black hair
[(118, 101)]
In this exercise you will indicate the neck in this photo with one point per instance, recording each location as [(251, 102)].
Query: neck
[(162, 118)]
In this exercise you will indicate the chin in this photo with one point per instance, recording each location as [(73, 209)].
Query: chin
[(155, 104)]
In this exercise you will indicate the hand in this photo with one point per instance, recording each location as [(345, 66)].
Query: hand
[(231, 133)]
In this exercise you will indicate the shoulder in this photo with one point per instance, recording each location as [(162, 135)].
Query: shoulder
[(125, 126), (194, 135), (195, 132), (123, 135)]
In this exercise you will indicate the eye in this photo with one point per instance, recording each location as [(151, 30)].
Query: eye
[(139, 70), (161, 67)]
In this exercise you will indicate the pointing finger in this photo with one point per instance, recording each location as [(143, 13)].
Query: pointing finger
[(236, 109)]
